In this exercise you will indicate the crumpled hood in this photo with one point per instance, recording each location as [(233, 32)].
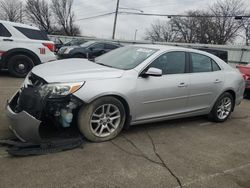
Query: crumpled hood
[(74, 70)]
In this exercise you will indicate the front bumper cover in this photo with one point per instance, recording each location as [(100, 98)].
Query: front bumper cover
[(24, 126)]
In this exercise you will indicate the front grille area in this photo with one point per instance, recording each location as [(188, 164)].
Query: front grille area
[(36, 80)]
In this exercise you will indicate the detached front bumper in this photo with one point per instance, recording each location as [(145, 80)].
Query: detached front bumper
[(23, 125)]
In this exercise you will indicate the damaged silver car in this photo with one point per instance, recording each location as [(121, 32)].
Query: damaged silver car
[(130, 85)]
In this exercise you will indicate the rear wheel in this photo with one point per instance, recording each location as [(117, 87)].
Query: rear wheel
[(102, 120), (222, 108), (20, 65)]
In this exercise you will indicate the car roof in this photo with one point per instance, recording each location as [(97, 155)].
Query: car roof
[(160, 47), (105, 42), (171, 48), (15, 24)]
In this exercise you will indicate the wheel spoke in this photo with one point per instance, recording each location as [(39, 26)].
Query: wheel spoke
[(95, 121), (108, 109), (109, 130), (103, 109), (111, 123), (115, 117), (97, 128), (113, 113), (97, 115), (102, 128)]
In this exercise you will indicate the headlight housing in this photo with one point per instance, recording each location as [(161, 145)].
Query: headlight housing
[(59, 90), (68, 50)]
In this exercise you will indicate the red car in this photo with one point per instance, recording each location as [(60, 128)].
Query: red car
[(245, 71)]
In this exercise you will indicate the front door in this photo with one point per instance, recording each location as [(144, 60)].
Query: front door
[(165, 95)]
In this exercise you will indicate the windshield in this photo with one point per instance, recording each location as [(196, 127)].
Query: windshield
[(74, 42), (126, 57), (87, 44)]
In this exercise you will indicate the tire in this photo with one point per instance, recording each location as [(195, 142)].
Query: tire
[(20, 65), (97, 126), (222, 108)]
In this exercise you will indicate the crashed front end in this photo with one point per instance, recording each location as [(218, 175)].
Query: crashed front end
[(37, 103)]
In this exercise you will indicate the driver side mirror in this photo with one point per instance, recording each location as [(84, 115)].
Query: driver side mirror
[(152, 72), (91, 48)]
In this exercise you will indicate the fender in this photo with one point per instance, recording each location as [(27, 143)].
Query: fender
[(15, 51)]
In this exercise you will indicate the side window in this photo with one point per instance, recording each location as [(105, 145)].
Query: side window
[(215, 66), (171, 63), (4, 32), (98, 46), (110, 46), (33, 33), (201, 63)]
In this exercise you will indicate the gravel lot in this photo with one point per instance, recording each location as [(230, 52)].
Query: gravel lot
[(189, 152)]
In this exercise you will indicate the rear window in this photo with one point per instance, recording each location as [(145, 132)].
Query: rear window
[(4, 32), (33, 34)]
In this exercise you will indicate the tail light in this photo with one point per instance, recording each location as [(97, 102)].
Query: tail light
[(1, 53), (246, 77), (50, 46)]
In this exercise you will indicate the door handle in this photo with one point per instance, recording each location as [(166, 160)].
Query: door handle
[(10, 40), (217, 81), (182, 84)]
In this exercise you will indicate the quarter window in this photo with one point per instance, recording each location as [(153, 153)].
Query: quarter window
[(33, 33), (4, 32), (215, 66), (171, 63), (201, 63)]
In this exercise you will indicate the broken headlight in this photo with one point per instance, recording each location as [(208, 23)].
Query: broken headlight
[(60, 89)]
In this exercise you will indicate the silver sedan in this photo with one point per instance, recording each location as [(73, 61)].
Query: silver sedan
[(130, 85)]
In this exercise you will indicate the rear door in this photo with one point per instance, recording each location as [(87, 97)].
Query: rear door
[(206, 81)]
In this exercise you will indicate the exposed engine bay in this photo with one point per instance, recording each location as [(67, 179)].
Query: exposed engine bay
[(36, 99)]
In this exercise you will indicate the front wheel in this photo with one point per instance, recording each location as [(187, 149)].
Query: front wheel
[(102, 119), (20, 65), (222, 108)]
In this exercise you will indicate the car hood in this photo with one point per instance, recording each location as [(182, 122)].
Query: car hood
[(75, 70)]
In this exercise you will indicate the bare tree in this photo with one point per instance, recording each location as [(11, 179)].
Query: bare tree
[(215, 25), (160, 31), (38, 12), (64, 16), (225, 28), (11, 10)]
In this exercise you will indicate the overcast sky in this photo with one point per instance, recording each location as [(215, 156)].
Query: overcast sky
[(127, 24)]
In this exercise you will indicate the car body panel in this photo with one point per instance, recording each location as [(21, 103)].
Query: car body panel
[(150, 98), (86, 70), (245, 71)]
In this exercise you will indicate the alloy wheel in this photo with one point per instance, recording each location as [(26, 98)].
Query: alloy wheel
[(224, 108), (105, 120)]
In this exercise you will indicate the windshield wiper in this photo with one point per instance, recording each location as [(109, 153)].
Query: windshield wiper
[(104, 64)]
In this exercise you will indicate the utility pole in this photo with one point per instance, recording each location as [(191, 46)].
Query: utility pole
[(135, 34), (116, 13)]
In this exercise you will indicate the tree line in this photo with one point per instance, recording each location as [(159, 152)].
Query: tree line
[(54, 16), (217, 24)]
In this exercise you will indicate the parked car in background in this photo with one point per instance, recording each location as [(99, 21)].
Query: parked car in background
[(22, 47), (127, 86), (219, 53), (74, 42), (90, 50), (245, 71)]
